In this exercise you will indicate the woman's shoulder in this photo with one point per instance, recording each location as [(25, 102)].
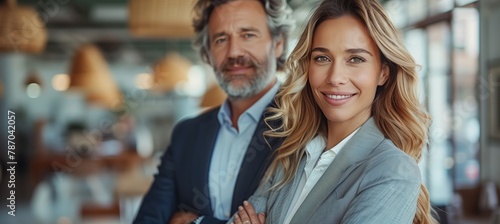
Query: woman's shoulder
[(388, 148), (387, 160)]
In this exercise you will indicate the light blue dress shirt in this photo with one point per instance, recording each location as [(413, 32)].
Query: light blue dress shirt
[(230, 148)]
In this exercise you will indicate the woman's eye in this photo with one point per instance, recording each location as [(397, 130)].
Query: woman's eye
[(321, 59), (356, 60)]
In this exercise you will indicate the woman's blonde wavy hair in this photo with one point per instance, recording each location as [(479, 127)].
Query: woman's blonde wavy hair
[(396, 108)]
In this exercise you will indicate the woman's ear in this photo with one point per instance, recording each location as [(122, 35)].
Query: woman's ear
[(384, 74)]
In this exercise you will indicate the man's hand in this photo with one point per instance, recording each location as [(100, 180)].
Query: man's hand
[(182, 217)]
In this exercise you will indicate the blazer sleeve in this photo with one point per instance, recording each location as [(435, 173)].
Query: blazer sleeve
[(259, 199), (211, 220), (388, 193), (160, 202)]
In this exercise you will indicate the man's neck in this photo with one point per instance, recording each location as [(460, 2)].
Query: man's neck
[(238, 106)]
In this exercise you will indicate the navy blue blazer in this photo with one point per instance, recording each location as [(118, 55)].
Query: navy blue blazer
[(182, 179)]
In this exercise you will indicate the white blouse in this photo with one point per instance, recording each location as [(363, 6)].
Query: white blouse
[(317, 161)]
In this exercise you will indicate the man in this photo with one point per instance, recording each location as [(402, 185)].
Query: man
[(216, 160)]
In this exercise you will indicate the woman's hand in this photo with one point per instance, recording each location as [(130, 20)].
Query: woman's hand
[(246, 215)]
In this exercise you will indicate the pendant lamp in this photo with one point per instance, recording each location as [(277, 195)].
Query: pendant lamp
[(21, 29), (169, 72), (161, 18), (90, 74)]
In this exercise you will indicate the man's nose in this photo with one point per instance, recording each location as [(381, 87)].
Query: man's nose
[(235, 49)]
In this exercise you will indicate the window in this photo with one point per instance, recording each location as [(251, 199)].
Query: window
[(443, 37)]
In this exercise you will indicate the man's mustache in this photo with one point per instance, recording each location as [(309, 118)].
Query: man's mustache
[(239, 61)]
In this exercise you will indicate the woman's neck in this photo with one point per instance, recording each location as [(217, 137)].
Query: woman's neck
[(338, 131)]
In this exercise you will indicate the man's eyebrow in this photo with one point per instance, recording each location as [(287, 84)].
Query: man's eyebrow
[(219, 34), (245, 29), (248, 29)]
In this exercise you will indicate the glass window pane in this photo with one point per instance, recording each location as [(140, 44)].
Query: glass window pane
[(464, 2), (417, 10), (465, 105), (441, 159), (439, 6), (416, 43), (397, 12)]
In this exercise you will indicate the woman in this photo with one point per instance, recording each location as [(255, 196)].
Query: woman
[(353, 126)]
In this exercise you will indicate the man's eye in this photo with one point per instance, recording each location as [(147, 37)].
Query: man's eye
[(219, 40), (248, 35)]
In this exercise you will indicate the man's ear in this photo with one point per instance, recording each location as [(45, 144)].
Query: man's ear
[(278, 48), (384, 74)]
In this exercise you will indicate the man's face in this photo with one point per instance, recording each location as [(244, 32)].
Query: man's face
[(242, 50)]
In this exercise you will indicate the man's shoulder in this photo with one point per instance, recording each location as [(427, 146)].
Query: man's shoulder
[(205, 117)]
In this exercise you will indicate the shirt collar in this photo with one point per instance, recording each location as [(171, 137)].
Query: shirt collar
[(318, 144), (255, 111), (336, 149)]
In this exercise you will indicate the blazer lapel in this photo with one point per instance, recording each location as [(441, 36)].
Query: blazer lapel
[(257, 159), (202, 155), (355, 151), (283, 198)]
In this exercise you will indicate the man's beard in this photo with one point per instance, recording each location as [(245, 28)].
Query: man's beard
[(248, 84)]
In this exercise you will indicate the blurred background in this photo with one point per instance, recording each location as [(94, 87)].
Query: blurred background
[(96, 86)]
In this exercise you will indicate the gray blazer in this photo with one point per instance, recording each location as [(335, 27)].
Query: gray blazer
[(369, 181)]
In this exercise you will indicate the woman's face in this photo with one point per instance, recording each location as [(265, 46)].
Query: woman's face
[(344, 70)]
